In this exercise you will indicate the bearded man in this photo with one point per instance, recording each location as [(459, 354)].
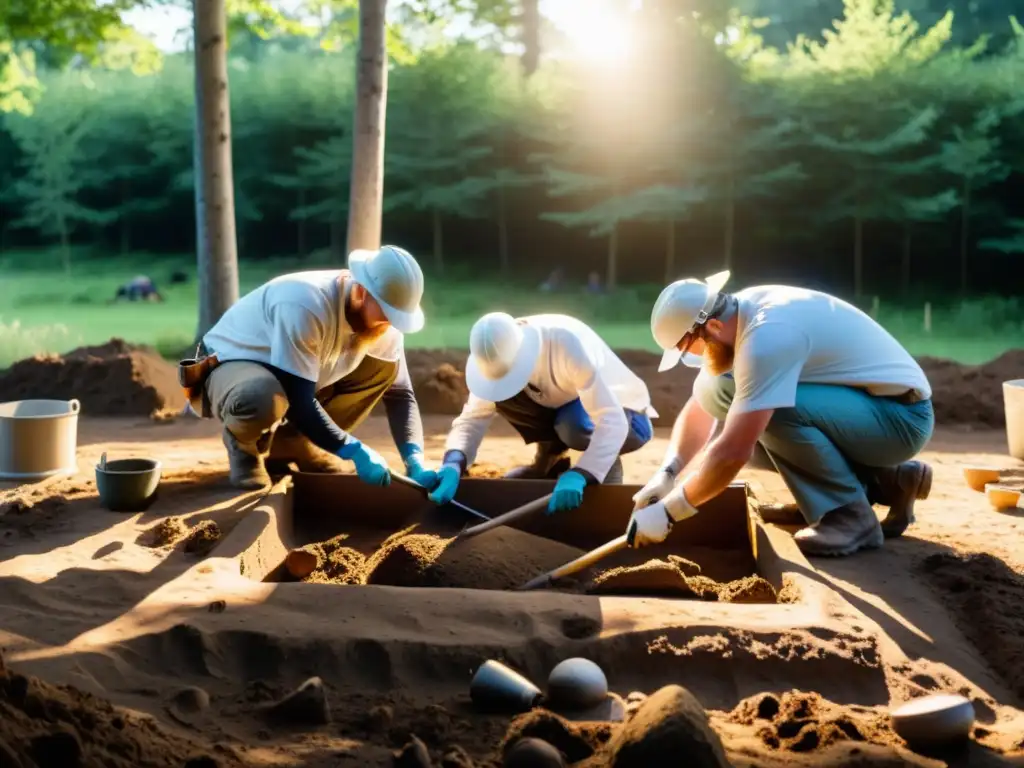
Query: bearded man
[(302, 360), (839, 406)]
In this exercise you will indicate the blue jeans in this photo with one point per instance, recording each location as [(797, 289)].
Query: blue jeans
[(570, 424), (826, 446)]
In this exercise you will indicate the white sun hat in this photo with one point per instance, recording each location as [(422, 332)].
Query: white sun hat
[(502, 355), (680, 308), (392, 276)]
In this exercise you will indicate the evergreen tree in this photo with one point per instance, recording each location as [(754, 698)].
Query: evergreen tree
[(1012, 242)]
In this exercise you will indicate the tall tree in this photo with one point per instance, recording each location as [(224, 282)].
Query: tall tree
[(366, 195), (217, 250)]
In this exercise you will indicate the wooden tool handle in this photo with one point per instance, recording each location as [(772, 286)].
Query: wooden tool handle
[(581, 562), (508, 517)]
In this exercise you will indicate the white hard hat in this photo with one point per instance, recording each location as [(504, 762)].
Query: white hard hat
[(392, 276), (502, 355), (680, 308)]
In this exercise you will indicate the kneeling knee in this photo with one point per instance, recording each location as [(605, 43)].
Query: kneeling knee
[(259, 406), (573, 434)]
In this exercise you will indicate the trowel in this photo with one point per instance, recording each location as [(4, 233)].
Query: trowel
[(457, 504)]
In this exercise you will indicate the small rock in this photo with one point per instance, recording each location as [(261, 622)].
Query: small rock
[(306, 705), (670, 723), (576, 684), (59, 747), (533, 753), (190, 700), (379, 718), (413, 755)]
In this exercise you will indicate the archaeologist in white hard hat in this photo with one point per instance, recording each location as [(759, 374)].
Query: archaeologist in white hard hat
[(560, 386), (838, 404), (318, 349)]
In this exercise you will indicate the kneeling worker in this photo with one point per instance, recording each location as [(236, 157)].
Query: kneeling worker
[(838, 404), (560, 386), (320, 348)]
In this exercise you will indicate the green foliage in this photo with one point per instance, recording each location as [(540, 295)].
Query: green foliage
[(1013, 242)]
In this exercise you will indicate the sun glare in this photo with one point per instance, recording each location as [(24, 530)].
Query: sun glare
[(600, 35)]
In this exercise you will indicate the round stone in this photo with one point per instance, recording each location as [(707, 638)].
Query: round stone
[(577, 684)]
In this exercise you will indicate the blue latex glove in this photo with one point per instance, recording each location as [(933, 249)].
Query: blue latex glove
[(370, 465), (417, 471), (568, 492), (448, 483)]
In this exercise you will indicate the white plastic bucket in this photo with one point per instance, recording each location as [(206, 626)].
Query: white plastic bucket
[(38, 439), (1013, 402)]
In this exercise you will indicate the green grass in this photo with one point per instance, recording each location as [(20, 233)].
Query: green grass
[(44, 310)]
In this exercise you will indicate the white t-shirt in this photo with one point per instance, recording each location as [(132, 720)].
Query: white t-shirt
[(297, 323), (574, 362), (789, 335)]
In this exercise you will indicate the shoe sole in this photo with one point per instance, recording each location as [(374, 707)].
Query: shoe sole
[(874, 539)]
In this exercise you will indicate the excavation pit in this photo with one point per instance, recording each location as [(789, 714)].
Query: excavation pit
[(349, 533)]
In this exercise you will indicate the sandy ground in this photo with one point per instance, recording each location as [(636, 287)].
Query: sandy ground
[(75, 608)]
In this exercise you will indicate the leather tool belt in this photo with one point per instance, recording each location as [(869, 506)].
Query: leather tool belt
[(192, 375)]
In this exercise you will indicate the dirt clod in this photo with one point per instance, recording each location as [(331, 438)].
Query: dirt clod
[(202, 538), (575, 741), (306, 705), (413, 755), (166, 533), (681, 578), (670, 722)]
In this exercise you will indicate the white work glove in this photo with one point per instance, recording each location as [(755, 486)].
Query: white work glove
[(658, 487), (652, 524)]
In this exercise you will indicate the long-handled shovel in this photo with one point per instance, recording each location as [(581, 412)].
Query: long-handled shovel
[(581, 562), (457, 504), (508, 517)]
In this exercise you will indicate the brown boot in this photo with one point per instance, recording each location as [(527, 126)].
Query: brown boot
[(247, 470), (898, 488), (291, 446), (841, 532), (551, 461)]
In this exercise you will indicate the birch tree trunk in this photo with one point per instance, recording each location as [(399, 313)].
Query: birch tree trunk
[(217, 252), (366, 196)]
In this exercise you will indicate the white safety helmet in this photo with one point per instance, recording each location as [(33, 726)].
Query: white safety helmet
[(502, 355), (680, 308), (392, 276)]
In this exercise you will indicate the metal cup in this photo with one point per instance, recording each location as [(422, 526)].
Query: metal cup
[(497, 687)]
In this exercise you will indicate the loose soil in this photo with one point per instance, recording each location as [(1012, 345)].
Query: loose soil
[(678, 577)]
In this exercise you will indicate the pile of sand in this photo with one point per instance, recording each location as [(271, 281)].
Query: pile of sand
[(972, 394), (986, 597), (51, 726), (679, 577), (805, 722), (198, 539), (115, 379)]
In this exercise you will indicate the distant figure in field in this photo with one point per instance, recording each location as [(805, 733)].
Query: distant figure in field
[(554, 281), (594, 284), (139, 288)]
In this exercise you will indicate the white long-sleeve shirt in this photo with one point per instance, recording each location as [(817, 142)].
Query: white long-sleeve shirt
[(574, 362)]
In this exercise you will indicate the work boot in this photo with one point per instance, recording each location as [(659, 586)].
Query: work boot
[(551, 461), (290, 445), (615, 474), (898, 488), (842, 531), (247, 470)]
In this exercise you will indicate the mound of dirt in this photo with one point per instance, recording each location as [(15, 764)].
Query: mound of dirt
[(986, 597), (114, 379), (47, 725), (337, 563), (805, 722), (444, 390), (679, 577), (577, 741), (972, 394), (500, 559)]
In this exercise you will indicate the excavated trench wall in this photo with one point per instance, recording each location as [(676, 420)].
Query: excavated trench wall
[(393, 536)]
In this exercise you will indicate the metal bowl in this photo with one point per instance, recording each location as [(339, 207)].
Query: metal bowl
[(934, 720)]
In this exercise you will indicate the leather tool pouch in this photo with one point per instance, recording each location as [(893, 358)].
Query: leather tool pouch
[(192, 375)]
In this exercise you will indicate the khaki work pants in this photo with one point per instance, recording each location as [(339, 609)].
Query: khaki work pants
[(250, 402)]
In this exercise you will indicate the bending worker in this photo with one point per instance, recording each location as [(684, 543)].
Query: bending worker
[(320, 349), (837, 403), (560, 386)]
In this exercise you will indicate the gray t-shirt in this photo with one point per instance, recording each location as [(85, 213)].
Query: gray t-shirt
[(788, 336)]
